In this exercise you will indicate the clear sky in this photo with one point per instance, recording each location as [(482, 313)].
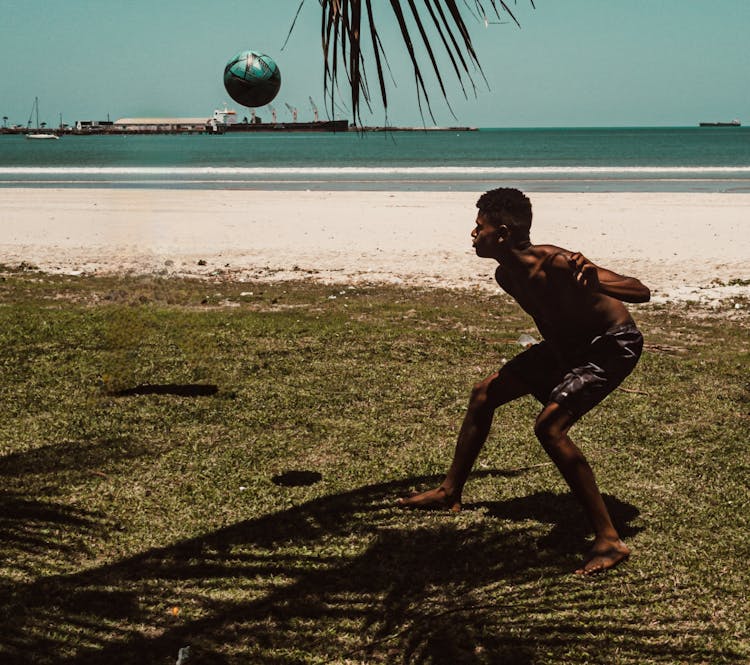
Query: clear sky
[(573, 62)]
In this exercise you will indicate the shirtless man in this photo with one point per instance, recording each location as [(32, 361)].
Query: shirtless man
[(590, 345)]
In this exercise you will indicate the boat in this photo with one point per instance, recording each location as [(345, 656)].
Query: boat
[(225, 121), (37, 134), (731, 123)]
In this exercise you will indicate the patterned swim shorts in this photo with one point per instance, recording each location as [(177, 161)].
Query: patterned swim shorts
[(581, 378)]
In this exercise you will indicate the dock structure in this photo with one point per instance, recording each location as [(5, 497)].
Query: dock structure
[(225, 121), (161, 125)]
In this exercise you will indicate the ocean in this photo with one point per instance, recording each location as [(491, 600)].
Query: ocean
[(689, 159)]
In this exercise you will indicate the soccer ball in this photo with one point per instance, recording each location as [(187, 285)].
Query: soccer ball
[(252, 79)]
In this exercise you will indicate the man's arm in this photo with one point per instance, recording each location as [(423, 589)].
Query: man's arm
[(601, 280)]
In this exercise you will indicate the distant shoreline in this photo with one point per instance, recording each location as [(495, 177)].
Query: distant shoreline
[(329, 127), (304, 127)]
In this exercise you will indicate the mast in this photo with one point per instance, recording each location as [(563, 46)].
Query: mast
[(31, 113)]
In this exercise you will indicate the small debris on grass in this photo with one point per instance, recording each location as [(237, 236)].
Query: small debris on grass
[(184, 655), (634, 392), (526, 340)]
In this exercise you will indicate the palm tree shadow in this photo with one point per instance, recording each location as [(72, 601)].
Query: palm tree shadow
[(37, 533), (389, 584), (348, 577), (73, 458)]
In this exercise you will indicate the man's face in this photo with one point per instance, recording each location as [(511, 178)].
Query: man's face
[(486, 237)]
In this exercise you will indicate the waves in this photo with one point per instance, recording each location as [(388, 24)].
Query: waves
[(441, 172), (551, 178), (637, 159)]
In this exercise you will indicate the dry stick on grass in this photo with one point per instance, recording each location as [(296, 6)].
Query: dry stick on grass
[(635, 392), (664, 348), (528, 468)]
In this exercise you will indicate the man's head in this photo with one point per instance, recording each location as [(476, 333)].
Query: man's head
[(508, 211)]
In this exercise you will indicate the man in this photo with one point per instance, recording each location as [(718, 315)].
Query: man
[(590, 345)]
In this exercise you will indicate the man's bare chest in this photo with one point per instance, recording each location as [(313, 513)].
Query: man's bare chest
[(538, 296)]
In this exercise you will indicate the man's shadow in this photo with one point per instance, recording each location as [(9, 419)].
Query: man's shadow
[(570, 529)]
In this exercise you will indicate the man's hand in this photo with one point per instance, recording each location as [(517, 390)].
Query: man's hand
[(600, 280), (585, 272)]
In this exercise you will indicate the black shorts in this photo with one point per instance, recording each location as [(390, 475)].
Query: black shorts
[(578, 379)]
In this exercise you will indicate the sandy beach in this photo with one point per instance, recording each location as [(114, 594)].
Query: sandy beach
[(684, 246)]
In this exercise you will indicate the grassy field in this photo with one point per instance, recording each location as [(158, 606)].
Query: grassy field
[(215, 465)]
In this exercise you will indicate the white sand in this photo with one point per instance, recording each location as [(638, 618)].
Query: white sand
[(678, 244)]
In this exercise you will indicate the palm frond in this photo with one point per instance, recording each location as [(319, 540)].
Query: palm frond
[(342, 33), (447, 46), (377, 48), (294, 22)]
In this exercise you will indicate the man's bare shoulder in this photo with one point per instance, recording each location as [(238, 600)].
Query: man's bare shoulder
[(553, 257)]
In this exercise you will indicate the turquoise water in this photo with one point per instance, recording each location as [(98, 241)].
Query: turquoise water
[(630, 159)]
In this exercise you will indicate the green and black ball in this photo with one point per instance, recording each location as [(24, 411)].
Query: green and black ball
[(252, 79)]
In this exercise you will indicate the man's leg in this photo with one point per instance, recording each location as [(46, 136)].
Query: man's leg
[(551, 429), (497, 389)]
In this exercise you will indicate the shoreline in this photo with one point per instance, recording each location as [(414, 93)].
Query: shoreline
[(684, 246)]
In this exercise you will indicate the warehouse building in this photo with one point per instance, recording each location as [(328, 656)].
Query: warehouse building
[(162, 124)]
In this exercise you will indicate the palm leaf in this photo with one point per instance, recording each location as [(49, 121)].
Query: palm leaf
[(439, 27), (341, 33), (377, 49), (430, 54), (421, 88)]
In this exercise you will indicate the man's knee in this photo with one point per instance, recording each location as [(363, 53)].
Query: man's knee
[(479, 400), (550, 429)]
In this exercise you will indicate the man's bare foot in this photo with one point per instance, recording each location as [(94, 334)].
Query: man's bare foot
[(437, 499), (603, 556)]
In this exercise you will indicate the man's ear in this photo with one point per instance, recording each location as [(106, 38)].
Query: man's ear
[(503, 233)]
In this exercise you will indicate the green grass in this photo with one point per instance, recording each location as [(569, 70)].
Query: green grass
[(115, 510)]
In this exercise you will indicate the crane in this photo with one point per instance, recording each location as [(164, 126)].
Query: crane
[(273, 114), (293, 111), (314, 108)]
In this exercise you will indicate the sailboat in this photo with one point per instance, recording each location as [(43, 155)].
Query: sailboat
[(37, 134)]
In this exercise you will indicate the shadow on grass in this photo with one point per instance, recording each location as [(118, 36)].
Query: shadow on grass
[(72, 457), (569, 531), (177, 389), (36, 533), (349, 577), (297, 478)]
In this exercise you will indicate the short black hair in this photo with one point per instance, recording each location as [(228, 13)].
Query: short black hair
[(509, 206)]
